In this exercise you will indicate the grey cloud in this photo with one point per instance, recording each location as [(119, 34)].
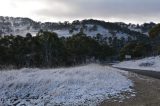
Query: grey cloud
[(101, 8)]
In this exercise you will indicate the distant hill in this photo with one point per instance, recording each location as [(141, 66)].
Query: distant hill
[(22, 26)]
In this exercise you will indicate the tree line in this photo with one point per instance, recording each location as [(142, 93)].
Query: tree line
[(46, 49), (150, 47)]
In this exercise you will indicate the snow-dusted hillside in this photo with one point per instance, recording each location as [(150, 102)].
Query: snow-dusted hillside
[(99, 30), (22, 26), (83, 85), (17, 26), (144, 28), (150, 64)]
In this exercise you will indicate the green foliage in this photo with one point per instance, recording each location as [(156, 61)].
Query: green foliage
[(48, 50), (158, 50), (154, 32), (135, 49)]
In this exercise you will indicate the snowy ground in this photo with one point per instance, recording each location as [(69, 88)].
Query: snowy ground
[(150, 64), (83, 85)]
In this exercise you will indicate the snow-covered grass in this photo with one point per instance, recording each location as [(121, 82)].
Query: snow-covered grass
[(83, 85), (150, 64)]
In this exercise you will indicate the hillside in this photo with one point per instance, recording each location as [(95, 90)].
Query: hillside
[(22, 26)]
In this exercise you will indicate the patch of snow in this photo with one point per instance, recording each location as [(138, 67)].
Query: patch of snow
[(88, 32), (134, 28), (102, 31), (122, 35), (150, 64), (83, 85), (63, 33)]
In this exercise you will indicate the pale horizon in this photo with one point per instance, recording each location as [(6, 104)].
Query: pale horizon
[(127, 11), (36, 19)]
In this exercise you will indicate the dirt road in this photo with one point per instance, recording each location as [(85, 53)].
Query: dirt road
[(153, 74), (147, 92)]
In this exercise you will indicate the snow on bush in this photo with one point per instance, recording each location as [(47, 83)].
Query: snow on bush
[(150, 63), (83, 85)]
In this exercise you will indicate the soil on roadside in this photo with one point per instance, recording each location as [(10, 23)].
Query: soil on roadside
[(147, 92)]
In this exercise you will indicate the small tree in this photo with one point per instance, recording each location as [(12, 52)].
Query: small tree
[(154, 32)]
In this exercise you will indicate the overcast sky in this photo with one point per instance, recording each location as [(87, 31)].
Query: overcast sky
[(134, 11)]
